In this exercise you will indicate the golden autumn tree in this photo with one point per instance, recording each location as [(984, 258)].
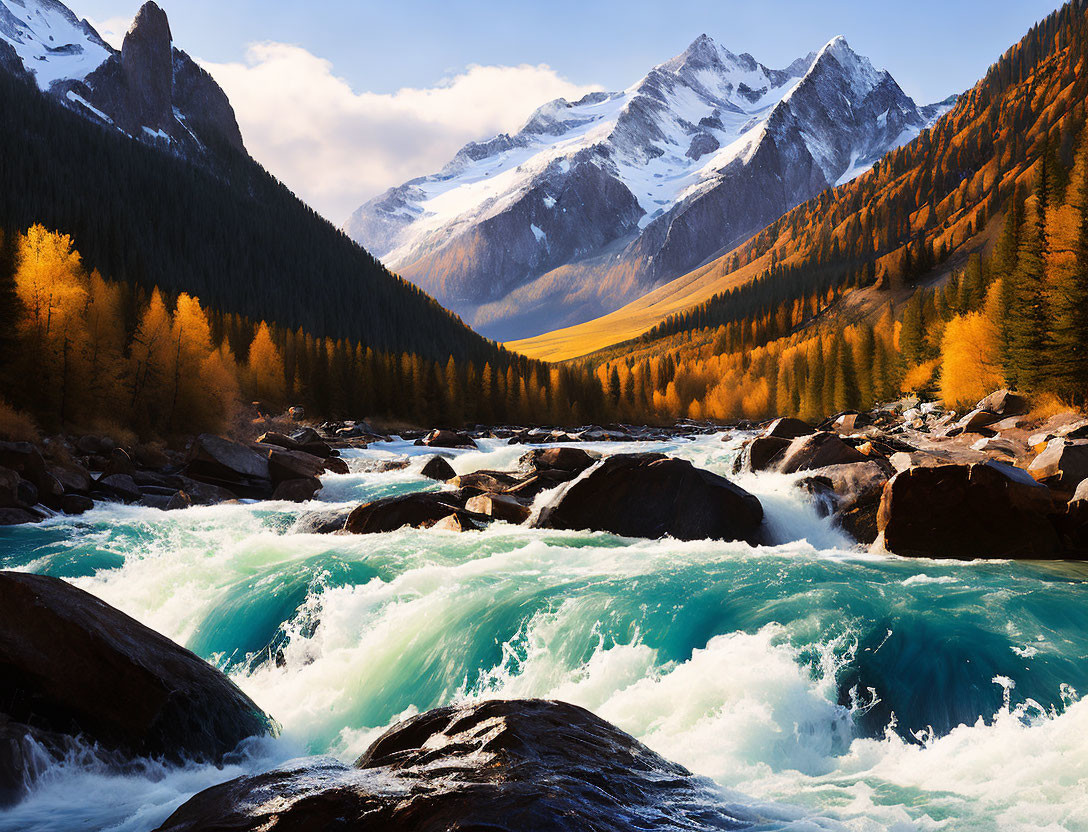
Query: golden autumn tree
[(103, 344), (264, 368), (204, 390), (52, 288), (151, 360), (971, 355)]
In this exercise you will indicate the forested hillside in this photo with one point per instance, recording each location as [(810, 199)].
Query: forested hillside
[(241, 241)]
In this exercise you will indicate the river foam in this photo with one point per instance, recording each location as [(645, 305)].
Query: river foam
[(821, 686)]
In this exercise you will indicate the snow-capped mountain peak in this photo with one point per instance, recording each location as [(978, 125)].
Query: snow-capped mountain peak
[(148, 90), (594, 202), (52, 43)]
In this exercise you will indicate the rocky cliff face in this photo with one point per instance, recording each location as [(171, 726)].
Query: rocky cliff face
[(593, 203), (149, 89)]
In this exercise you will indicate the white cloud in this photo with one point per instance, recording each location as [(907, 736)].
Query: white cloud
[(336, 147)]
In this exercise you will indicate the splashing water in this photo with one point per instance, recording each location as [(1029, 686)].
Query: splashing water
[(821, 686)]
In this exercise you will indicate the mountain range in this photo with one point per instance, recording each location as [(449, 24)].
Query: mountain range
[(594, 203), (148, 89)]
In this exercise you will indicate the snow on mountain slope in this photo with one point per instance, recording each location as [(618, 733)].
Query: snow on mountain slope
[(53, 44), (148, 90), (595, 202)]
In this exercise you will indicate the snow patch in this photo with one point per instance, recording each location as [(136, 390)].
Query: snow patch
[(79, 99), (50, 41)]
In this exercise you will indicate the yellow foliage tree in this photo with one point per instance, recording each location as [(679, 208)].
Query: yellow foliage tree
[(264, 368), (970, 358)]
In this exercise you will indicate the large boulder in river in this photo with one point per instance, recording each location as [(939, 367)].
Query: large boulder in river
[(447, 439), (500, 766), (988, 510), (651, 495), (574, 460), (438, 468), (73, 667), (788, 428), (388, 514), (817, 450), (231, 465), (761, 453), (855, 489)]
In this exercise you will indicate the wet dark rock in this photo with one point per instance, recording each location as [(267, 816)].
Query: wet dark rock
[(278, 439), (533, 485), (200, 493), (9, 488), (120, 463), (391, 513), (119, 487), (437, 468), (447, 439), (26, 461), (493, 481), (506, 766), (228, 464), (788, 428), (26, 493), (760, 453), (297, 490), (989, 510), (574, 460), (72, 476), (305, 436), (226, 458), (818, 450), (16, 515), (76, 504), (73, 665), (651, 495), (180, 500), (336, 465), (286, 465), (856, 489)]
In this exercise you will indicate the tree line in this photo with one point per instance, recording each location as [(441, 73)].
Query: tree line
[(83, 352)]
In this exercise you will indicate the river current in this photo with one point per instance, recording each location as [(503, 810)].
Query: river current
[(820, 686)]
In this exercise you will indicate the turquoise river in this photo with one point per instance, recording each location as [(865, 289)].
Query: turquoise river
[(820, 686)]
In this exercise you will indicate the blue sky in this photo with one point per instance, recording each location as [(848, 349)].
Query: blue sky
[(365, 54)]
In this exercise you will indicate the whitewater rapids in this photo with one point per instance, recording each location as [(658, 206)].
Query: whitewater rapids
[(820, 686)]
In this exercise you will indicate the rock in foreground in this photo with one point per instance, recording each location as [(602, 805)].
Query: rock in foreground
[(651, 495), (501, 766), (73, 666)]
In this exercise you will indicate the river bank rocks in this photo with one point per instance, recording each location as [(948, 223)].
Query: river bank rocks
[(501, 766), (68, 474), (987, 510), (851, 459), (77, 674), (652, 495)]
